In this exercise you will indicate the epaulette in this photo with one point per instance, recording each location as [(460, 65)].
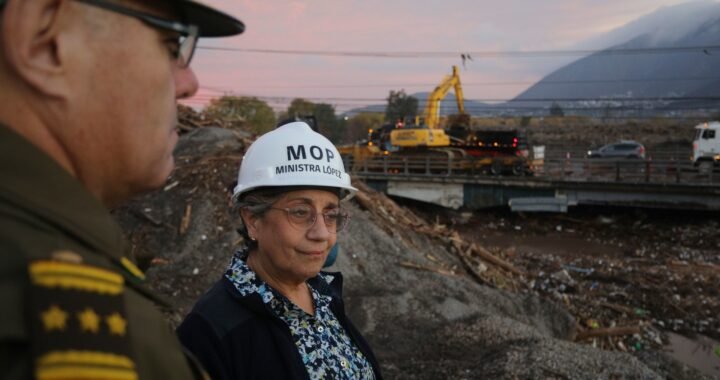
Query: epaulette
[(78, 320)]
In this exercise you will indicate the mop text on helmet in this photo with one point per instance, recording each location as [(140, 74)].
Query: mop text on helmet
[(292, 155)]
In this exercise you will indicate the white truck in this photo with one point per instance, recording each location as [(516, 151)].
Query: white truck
[(706, 146)]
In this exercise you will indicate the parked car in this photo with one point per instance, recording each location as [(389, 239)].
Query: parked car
[(622, 149)]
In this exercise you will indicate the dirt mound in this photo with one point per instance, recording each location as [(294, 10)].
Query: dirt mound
[(429, 319)]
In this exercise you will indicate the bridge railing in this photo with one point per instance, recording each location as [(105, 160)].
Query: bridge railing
[(582, 169), (421, 165), (630, 170)]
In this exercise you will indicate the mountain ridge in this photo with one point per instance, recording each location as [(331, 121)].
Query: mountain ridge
[(675, 53)]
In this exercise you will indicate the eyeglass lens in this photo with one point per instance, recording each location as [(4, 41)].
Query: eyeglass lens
[(306, 216), (187, 47)]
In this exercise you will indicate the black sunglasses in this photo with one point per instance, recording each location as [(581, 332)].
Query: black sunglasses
[(188, 33)]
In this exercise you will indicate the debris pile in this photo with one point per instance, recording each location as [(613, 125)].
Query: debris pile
[(627, 278), (643, 294), (484, 266), (189, 119), (621, 303)]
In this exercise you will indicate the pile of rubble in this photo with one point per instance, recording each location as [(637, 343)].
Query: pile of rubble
[(678, 295), (484, 266), (189, 120), (627, 279), (621, 303)]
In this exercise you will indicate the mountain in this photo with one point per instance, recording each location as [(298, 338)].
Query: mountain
[(686, 39), (672, 52)]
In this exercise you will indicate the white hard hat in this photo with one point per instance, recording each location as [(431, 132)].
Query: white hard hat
[(292, 155)]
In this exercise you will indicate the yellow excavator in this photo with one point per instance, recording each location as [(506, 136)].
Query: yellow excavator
[(430, 134), (494, 152)]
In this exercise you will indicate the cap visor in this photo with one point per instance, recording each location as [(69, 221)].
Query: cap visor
[(211, 22)]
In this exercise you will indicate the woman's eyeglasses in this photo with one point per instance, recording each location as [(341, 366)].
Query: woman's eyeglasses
[(304, 217)]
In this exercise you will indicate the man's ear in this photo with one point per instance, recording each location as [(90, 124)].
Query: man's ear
[(32, 42)]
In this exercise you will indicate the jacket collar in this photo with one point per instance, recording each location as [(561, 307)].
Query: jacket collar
[(326, 283), (33, 181)]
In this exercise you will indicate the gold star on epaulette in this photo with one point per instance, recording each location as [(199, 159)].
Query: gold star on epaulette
[(116, 323), (89, 320), (54, 318)]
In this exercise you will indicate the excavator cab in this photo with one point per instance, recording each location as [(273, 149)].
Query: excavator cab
[(380, 137)]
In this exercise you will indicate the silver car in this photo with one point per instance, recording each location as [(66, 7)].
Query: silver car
[(622, 149)]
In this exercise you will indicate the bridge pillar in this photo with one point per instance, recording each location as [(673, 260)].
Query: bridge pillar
[(443, 194)]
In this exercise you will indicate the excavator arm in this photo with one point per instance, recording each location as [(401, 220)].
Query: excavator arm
[(432, 108), (432, 136)]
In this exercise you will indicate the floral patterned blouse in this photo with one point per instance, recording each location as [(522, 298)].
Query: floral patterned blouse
[(325, 348)]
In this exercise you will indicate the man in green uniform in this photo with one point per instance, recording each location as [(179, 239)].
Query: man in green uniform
[(88, 92)]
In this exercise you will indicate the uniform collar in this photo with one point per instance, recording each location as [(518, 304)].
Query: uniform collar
[(31, 180)]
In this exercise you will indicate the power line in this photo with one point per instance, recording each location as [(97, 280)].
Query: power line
[(705, 50), (499, 109), (468, 84), (575, 107), (509, 100)]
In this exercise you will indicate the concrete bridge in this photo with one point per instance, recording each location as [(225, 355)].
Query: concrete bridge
[(554, 186)]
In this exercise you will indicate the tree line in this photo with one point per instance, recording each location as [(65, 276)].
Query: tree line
[(256, 116)]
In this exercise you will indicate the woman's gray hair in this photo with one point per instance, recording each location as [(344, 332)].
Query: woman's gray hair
[(257, 202)]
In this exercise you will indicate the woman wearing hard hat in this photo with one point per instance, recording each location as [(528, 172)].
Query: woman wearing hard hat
[(274, 315)]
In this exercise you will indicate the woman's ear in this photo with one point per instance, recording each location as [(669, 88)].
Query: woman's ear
[(250, 221)]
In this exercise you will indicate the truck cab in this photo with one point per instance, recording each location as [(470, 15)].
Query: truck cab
[(706, 146)]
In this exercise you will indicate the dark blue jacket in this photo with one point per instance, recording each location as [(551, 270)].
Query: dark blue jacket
[(237, 337)]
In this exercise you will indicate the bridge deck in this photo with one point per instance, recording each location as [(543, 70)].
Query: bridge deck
[(640, 183)]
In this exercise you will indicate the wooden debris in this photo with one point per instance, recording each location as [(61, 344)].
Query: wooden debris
[(171, 186), (485, 254), (693, 267), (475, 270), (408, 264), (393, 219), (618, 308), (185, 222), (159, 261), (610, 331), (363, 199), (486, 267)]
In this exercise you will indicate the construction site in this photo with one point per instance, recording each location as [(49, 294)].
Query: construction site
[(443, 293)]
